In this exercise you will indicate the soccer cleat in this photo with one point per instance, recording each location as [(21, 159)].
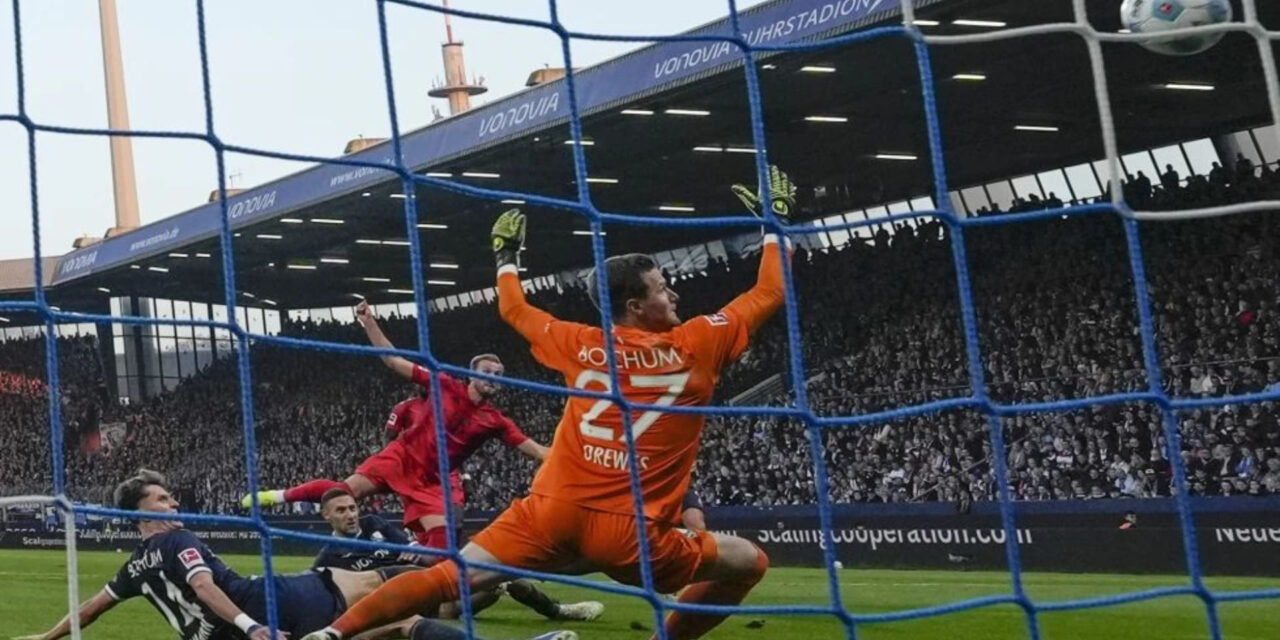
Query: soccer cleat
[(550, 635), (265, 499), (585, 611)]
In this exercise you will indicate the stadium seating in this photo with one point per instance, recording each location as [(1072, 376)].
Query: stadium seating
[(881, 328)]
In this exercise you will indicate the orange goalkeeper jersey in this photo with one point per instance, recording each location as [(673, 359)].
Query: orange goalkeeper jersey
[(587, 463)]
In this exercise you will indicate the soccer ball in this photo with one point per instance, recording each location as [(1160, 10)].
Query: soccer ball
[(1154, 16)]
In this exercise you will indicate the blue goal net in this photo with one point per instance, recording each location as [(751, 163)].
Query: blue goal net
[(739, 43)]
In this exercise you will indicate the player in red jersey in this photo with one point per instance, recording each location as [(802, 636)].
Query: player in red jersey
[(580, 512), (409, 466)]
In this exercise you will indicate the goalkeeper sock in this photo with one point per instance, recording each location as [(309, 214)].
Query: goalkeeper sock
[(529, 595), (686, 626), (312, 490), (402, 596)]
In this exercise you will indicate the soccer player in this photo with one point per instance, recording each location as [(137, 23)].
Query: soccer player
[(409, 466), (203, 599), (342, 511), (581, 508)]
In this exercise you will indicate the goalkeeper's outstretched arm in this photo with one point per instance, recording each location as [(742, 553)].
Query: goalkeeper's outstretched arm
[(89, 611), (508, 240), (763, 300)]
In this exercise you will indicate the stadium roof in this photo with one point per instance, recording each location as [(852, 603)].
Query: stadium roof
[(663, 124)]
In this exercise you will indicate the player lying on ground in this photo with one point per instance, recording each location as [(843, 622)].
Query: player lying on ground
[(409, 466), (339, 507), (580, 511), (203, 599)]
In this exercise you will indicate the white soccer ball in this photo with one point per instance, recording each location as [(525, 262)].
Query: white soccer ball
[(1155, 16), (837, 564)]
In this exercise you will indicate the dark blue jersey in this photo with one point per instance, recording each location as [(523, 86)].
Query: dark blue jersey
[(160, 569), (374, 529)]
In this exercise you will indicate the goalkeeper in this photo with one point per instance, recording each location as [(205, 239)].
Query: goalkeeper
[(580, 514)]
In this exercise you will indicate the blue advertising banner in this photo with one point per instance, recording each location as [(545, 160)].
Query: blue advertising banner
[(629, 77)]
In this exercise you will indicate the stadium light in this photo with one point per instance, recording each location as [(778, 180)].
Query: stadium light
[(443, 283), (480, 174), (587, 232), (687, 112), (399, 196), (4, 319), (818, 68), (158, 269), (203, 255), (709, 149), (291, 220), (269, 301), (585, 142), (602, 180), (104, 290), (636, 112), (1189, 86), (356, 296), (826, 119), (270, 236), (373, 279), (768, 66), (367, 241), (327, 221), (443, 265), (134, 266), (988, 24), (407, 292), (680, 208), (927, 23), (335, 260), (740, 149), (247, 294), (178, 254), (438, 174), (396, 243), (1035, 127), (301, 267), (969, 77), (896, 156), (366, 194), (509, 201), (432, 225)]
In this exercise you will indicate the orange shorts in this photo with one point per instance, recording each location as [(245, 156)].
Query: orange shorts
[(545, 534)]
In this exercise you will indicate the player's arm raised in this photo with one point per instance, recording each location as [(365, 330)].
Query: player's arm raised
[(761, 301), (89, 611), (212, 595), (508, 241), (364, 315)]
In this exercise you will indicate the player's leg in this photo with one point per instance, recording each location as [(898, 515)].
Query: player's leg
[(528, 594), (516, 537), (731, 567), (433, 531), (480, 600)]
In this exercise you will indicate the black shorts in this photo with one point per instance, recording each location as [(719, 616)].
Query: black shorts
[(305, 602)]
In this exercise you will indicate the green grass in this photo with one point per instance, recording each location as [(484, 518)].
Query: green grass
[(33, 597)]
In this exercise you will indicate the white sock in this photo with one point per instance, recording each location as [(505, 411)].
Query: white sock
[(276, 495)]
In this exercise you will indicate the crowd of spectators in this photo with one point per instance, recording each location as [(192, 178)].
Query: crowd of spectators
[(881, 327)]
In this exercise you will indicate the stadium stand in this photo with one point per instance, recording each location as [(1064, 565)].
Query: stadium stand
[(1056, 320)]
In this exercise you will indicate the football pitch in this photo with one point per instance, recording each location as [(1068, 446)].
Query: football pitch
[(33, 598)]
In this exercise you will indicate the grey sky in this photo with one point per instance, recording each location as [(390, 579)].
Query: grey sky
[(288, 75)]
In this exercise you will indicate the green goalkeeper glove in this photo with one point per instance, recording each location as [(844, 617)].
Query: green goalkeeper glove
[(508, 237), (782, 195)]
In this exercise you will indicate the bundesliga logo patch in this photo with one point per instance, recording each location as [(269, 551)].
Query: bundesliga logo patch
[(190, 558), (718, 319)]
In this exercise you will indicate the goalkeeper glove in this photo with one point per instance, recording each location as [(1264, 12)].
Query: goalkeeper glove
[(508, 237), (782, 195)]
